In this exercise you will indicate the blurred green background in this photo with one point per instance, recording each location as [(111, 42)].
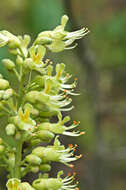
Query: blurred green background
[(99, 62)]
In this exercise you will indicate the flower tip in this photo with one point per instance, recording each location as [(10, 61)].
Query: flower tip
[(75, 122), (75, 79), (69, 174), (82, 133), (70, 146), (74, 173), (78, 157), (71, 165)]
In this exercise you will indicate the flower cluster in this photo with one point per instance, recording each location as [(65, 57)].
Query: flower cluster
[(43, 92)]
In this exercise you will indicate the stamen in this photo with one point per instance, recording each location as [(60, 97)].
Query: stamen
[(71, 165), (70, 146), (82, 133), (74, 173), (78, 157), (75, 79), (69, 174), (75, 122)]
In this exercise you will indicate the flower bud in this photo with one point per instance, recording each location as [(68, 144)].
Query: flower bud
[(45, 135), (19, 60), (8, 93), (64, 20), (33, 159), (34, 169), (27, 40), (2, 148), (10, 129), (28, 64), (4, 84), (49, 183), (35, 142), (3, 40), (13, 41), (26, 186), (45, 167), (8, 64)]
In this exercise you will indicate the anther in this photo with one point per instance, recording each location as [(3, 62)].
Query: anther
[(69, 174), (78, 157), (82, 133), (70, 146), (71, 166)]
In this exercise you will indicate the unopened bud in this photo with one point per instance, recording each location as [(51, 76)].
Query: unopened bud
[(13, 41), (10, 129), (27, 40), (3, 40), (33, 159), (28, 64), (8, 93), (8, 64), (19, 60), (35, 142), (45, 167), (64, 20), (34, 169), (4, 84)]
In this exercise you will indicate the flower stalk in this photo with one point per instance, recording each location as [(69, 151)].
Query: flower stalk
[(43, 92)]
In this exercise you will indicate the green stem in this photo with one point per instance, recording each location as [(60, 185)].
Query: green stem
[(18, 155), (17, 74), (20, 98)]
